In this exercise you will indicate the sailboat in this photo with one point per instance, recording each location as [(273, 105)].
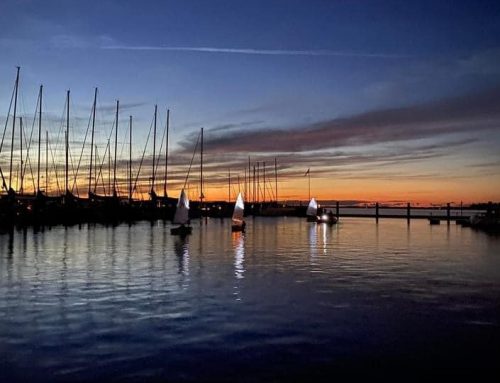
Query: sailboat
[(312, 211), (238, 223), (181, 216)]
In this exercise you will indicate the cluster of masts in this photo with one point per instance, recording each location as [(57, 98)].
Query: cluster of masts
[(257, 185), (95, 168)]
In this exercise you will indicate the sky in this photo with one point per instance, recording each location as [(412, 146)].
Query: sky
[(382, 100)]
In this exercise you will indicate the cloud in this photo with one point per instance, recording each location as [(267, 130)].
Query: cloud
[(467, 114), (252, 51)]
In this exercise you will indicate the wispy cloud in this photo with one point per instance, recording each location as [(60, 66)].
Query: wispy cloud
[(252, 51), (467, 114)]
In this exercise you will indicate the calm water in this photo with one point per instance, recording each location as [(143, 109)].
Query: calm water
[(287, 299)]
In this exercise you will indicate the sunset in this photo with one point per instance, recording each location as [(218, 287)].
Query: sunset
[(265, 190)]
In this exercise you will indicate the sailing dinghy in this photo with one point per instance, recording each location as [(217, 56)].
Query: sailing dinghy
[(312, 211), (238, 223), (181, 216)]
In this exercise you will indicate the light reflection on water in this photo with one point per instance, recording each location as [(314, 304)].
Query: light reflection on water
[(287, 297)]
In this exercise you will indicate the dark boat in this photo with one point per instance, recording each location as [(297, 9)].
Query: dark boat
[(327, 218)]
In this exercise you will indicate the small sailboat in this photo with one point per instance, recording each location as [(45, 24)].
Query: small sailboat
[(312, 211), (238, 223), (181, 216)]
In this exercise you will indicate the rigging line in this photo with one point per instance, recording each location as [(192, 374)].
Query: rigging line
[(7, 119), (4, 183), (96, 181), (81, 153), (104, 156), (99, 174), (28, 146), (142, 159), (192, 158), (55, 168), (160, 151)]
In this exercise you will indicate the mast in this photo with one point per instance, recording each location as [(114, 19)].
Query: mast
[(92, 140), (67, 143), (276, 178), (21, 149), (166, 157), (201, 171), (253, 193), (46, 162), (264, 170), (116, 146), (229, 187), (249, 178), (109, 167), (258, 181), (154, 154), (13, 128), (130, 161), (39, 138)]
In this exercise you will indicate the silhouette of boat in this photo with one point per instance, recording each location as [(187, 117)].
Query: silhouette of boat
[(181, 216)]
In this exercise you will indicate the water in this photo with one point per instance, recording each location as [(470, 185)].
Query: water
[(286, 300)]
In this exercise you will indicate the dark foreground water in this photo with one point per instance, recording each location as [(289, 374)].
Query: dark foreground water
[(287, 300)]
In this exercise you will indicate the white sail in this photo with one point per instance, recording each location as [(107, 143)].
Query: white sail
[(182, 212), (312, 209), (239, 208)]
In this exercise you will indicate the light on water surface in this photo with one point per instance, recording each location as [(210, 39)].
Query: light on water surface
[(287, 298)]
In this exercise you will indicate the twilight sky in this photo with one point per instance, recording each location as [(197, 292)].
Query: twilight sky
[(382, 100)]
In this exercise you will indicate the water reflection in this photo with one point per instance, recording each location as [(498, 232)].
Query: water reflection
[(238, 242), (181, 249), (239, 254), (101, 292)]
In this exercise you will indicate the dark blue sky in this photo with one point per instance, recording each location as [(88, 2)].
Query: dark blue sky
[(283, 65)]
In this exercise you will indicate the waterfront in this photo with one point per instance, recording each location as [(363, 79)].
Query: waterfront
[(285, 299)]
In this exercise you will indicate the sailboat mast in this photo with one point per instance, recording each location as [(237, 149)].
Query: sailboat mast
[(116, 146), (13, 128), (154, 152), (92, 140), (249, 178), (166, 156), (258, 181), (276, 178), (253, 193), (21, 150), (201, 170), (130, 161), (264, 170), (67, 144), (39, 137), (47, 162), (229, 187)]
